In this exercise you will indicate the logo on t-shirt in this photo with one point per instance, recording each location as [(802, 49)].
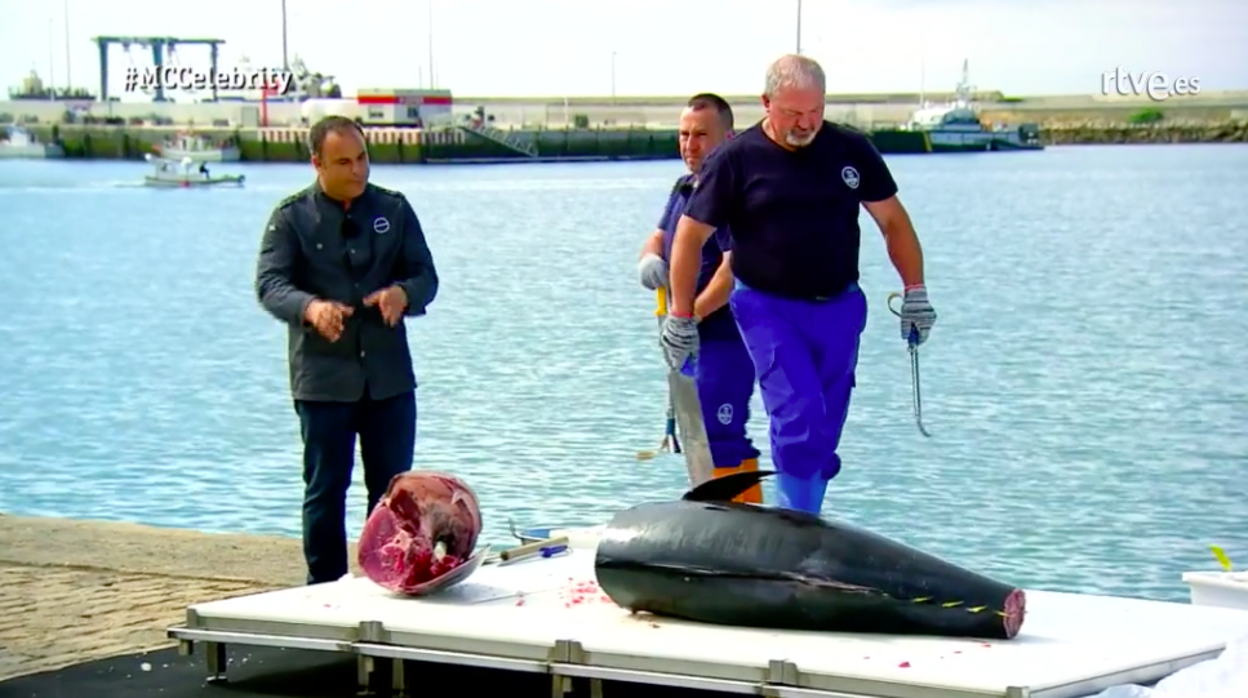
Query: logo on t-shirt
[(850, 175)]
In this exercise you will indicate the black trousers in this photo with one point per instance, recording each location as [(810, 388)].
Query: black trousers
[(387, 431)]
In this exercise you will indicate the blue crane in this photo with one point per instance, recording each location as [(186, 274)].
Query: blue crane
[(162, 48)]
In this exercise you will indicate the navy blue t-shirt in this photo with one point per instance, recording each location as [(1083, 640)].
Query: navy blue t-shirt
[(718, 324), (793, 215)]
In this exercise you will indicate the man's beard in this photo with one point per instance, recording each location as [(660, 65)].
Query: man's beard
[(799, 140)]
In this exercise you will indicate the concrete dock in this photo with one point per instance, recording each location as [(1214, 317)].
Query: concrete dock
[(82, 590), (663, 111)]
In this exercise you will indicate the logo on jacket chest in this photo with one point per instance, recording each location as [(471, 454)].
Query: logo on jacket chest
[(849, 175), (381, 225)]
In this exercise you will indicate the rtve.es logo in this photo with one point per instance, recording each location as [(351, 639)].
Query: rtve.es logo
[(1157, 86)]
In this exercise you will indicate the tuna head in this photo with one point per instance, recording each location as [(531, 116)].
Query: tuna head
[(424, 527)]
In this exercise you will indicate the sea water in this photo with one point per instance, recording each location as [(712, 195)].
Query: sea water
[(1085, 385)]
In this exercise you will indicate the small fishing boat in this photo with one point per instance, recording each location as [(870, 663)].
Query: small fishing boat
[(17, 143), (186, 173), (197, 147)]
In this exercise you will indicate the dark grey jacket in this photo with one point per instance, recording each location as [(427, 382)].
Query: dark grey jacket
[(304, 255)]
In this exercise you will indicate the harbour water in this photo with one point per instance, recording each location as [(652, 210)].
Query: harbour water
[(1084, 383)]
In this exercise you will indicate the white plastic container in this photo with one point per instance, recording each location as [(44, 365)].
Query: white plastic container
[(1225, 589)]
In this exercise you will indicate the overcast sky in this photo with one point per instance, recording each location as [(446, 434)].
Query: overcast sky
[(672, 47)]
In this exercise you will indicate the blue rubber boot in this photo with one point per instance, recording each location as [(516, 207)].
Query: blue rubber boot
[(799, 493)]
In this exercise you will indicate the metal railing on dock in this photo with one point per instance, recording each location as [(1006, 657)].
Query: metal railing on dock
[(506, 139)]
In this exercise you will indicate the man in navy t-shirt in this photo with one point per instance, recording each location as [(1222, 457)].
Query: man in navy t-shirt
[(723, 372), (789, 189)]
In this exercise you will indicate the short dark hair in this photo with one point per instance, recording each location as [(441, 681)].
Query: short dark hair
[(710, 100), (322, 128)]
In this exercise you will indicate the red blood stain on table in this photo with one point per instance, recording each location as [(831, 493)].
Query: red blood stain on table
[(582, 592), (576, 592)]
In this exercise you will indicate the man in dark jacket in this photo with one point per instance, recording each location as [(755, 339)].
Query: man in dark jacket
[(342, 263)]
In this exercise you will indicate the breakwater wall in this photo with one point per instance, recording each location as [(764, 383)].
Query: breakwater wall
[(386, 145), (1221, 131), (414, 146), (636, 111)]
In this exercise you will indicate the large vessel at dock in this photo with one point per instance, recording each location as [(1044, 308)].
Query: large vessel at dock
[(957, 127), (32, 88)]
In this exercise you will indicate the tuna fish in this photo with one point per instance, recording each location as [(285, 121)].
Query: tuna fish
[(421, 536), (707, 559)]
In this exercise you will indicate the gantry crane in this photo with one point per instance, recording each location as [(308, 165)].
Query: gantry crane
[(162, 48)]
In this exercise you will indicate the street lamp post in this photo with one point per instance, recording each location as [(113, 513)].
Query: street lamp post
[(68, 80), (51, 60), (799, 27), (285, 55)]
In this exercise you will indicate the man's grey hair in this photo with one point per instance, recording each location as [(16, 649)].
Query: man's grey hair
[(795, 72)]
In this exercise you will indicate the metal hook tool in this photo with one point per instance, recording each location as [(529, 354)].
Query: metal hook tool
[(917, 396), (669, 444)]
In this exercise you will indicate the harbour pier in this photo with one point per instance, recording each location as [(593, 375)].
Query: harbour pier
[(503, 129), (80, 590)]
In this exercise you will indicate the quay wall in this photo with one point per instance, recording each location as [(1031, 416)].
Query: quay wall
[(414, 146), (386, 145), (80, 590), (865, 111)]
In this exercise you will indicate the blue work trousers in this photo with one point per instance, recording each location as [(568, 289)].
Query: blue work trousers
[(805, 353)]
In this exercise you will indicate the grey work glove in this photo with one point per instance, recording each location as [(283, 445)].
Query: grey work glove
[(679, 340), (917, 315), (653, 271)]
